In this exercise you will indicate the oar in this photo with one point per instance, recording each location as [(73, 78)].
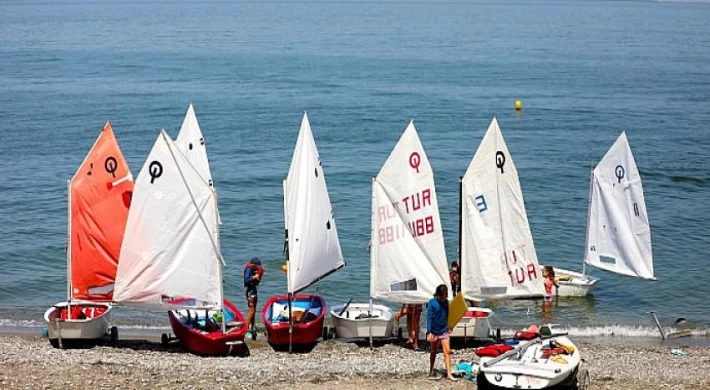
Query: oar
[(345, 308)]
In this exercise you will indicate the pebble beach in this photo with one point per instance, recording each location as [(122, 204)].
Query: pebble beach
[(29, 362)]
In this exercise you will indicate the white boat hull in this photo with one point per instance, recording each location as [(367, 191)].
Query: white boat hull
[(92, 328), (472, 325), (531, 370), (574, 284), (348, 325)]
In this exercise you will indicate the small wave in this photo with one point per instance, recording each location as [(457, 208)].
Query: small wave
[(625, 331), (20, 323), (690, 179)]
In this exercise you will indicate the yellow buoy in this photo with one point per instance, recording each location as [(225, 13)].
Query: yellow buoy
[(284, 267), (518, 105)]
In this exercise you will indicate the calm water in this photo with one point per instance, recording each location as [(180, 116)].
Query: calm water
[(584, 70)]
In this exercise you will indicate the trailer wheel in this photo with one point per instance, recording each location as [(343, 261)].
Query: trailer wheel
[(54, 343), (164, 340), (114, 334)]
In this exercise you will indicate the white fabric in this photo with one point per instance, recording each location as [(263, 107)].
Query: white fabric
[(313, 244), (407, 256), (192, 144), (619, 235), (498, 258), (168, 250)]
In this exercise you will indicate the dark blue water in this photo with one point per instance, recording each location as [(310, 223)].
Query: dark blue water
[(584, 70)]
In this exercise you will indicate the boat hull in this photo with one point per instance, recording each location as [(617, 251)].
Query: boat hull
[(196, 336), (348, 325), (94, 326), (532, 370), (474, 324), (574, 284), (306, 330)]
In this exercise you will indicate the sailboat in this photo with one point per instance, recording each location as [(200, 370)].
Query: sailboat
[(171, 258), (407, 255), (618, 232), (312, 248), (99, 199), (498, 258)]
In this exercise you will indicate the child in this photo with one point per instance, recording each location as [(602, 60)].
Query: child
[(414, 315), (549, 274), (438, 331)]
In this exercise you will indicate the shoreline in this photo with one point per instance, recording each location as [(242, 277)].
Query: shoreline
[(28, 361)]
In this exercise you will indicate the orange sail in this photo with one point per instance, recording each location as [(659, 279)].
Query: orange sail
[(100, 195)]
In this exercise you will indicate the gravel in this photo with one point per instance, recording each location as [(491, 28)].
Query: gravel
[(30, 362)]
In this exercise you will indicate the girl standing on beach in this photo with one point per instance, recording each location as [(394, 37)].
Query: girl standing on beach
[(437, 331)]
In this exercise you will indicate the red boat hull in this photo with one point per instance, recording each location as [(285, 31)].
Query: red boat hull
[(213, 342), (306, 331)]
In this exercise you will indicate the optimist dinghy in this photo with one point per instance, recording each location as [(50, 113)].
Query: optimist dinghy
[(312, 248), (99, 197), (532, 361), (407, 257), (618, 232), (171, 258), (498, 258)]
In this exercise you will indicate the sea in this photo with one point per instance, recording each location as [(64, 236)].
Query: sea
[(583, 70)]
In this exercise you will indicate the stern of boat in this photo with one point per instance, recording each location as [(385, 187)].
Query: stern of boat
[(95, 324), (355, 321)]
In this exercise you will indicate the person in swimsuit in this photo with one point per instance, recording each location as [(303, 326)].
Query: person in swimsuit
[(548, 273), (437, 330)]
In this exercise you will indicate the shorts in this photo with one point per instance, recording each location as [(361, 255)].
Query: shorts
[(252, 297), (443, 336)]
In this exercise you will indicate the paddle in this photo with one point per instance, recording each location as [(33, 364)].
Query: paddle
[(345, 308)]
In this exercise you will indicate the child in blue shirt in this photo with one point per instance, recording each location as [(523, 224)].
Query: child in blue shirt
[(437, 317)]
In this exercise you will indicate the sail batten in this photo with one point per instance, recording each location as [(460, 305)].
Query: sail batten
[(618, 230), (407, 256), (498, 258), (313, 245), (170, 256), (99, 198)]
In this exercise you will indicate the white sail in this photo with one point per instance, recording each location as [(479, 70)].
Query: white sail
[(169, 256), (407, 256), (313, 244), (498, 258), (192, 144), (618, 234)]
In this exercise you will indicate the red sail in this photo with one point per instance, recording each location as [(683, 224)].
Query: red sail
[(101, 193)]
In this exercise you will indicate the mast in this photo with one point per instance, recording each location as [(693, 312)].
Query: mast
[(500, 212), (589, 215), (220, 265), (460, 262), (68, 249)]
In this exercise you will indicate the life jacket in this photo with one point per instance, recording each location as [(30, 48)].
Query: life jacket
[(257, 269), (526, 335), (76, 313), (494, 350)]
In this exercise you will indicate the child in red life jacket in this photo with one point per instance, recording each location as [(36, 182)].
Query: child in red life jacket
[(253, 273)]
